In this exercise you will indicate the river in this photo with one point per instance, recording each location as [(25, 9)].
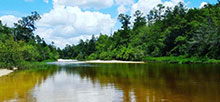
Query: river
[(80, 82)]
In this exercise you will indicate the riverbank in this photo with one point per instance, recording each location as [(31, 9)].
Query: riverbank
[(166, 59), (25, 65), (98, 61), (112, 61), (4, 72), (181, 60)]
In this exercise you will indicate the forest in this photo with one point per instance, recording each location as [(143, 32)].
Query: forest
[(165, 34), (19, 45), (177, 34)]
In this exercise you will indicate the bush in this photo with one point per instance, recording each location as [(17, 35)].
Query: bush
[(10, 53), (92, 57), (105, 56)]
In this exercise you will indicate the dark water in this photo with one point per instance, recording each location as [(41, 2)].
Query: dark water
[(113, 83)]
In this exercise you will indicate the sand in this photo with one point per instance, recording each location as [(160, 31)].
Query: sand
[(66, 60), (97, 61), (112, 61), (4, 72)]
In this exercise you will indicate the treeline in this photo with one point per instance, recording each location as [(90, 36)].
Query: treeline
[(19, 45), (165, 31)]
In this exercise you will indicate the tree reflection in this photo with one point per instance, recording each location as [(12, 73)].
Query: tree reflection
[(19, 85), (157, 82)]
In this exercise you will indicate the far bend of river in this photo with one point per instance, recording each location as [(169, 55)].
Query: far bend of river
[(113, 83)]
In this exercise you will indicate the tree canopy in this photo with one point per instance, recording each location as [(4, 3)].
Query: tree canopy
[(19, 44), (165, 31)]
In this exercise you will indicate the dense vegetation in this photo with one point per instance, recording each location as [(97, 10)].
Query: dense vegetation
[(19, 46), (178, 32), (167, 34)]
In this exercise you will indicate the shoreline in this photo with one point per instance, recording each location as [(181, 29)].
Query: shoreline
[(97, 61), (4, 72), (113, 61)]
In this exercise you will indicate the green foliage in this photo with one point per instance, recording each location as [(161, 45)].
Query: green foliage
[(24, 28), (92, 57), (105, 56), (19, 46), (29, 53), (80, 57), (10, 52), (125, 20), (186, 35), (140, 20), (26, 65), (181, 59)]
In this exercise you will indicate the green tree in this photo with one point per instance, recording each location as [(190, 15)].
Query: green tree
[(139, 20), (24, 28), (125, 20)]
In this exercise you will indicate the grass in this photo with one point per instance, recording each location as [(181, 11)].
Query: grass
[(26, 65), (180, 60), (49, 60), (23, 65)]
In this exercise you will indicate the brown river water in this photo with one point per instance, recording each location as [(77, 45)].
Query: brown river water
[(155, 82)]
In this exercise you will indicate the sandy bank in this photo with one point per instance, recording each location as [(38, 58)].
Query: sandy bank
[(112, 61), (4, 72), (66, 60)]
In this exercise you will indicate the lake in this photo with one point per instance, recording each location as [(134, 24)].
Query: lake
[(80, 82)]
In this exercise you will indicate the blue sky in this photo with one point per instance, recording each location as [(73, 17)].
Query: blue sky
[(68, 21), (22, 8)]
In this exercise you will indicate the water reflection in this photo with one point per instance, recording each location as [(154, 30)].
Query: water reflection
[(71, 88), (17, 87), (158, 82), (114, 83)]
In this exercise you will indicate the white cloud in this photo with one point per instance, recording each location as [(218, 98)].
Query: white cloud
[(59, 41), (146, 5), (97, 4), (124, 2), (46, 1), (124, 5), (172, 3), (203, 4), (122, 9), (9, 20), (66, 25)]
